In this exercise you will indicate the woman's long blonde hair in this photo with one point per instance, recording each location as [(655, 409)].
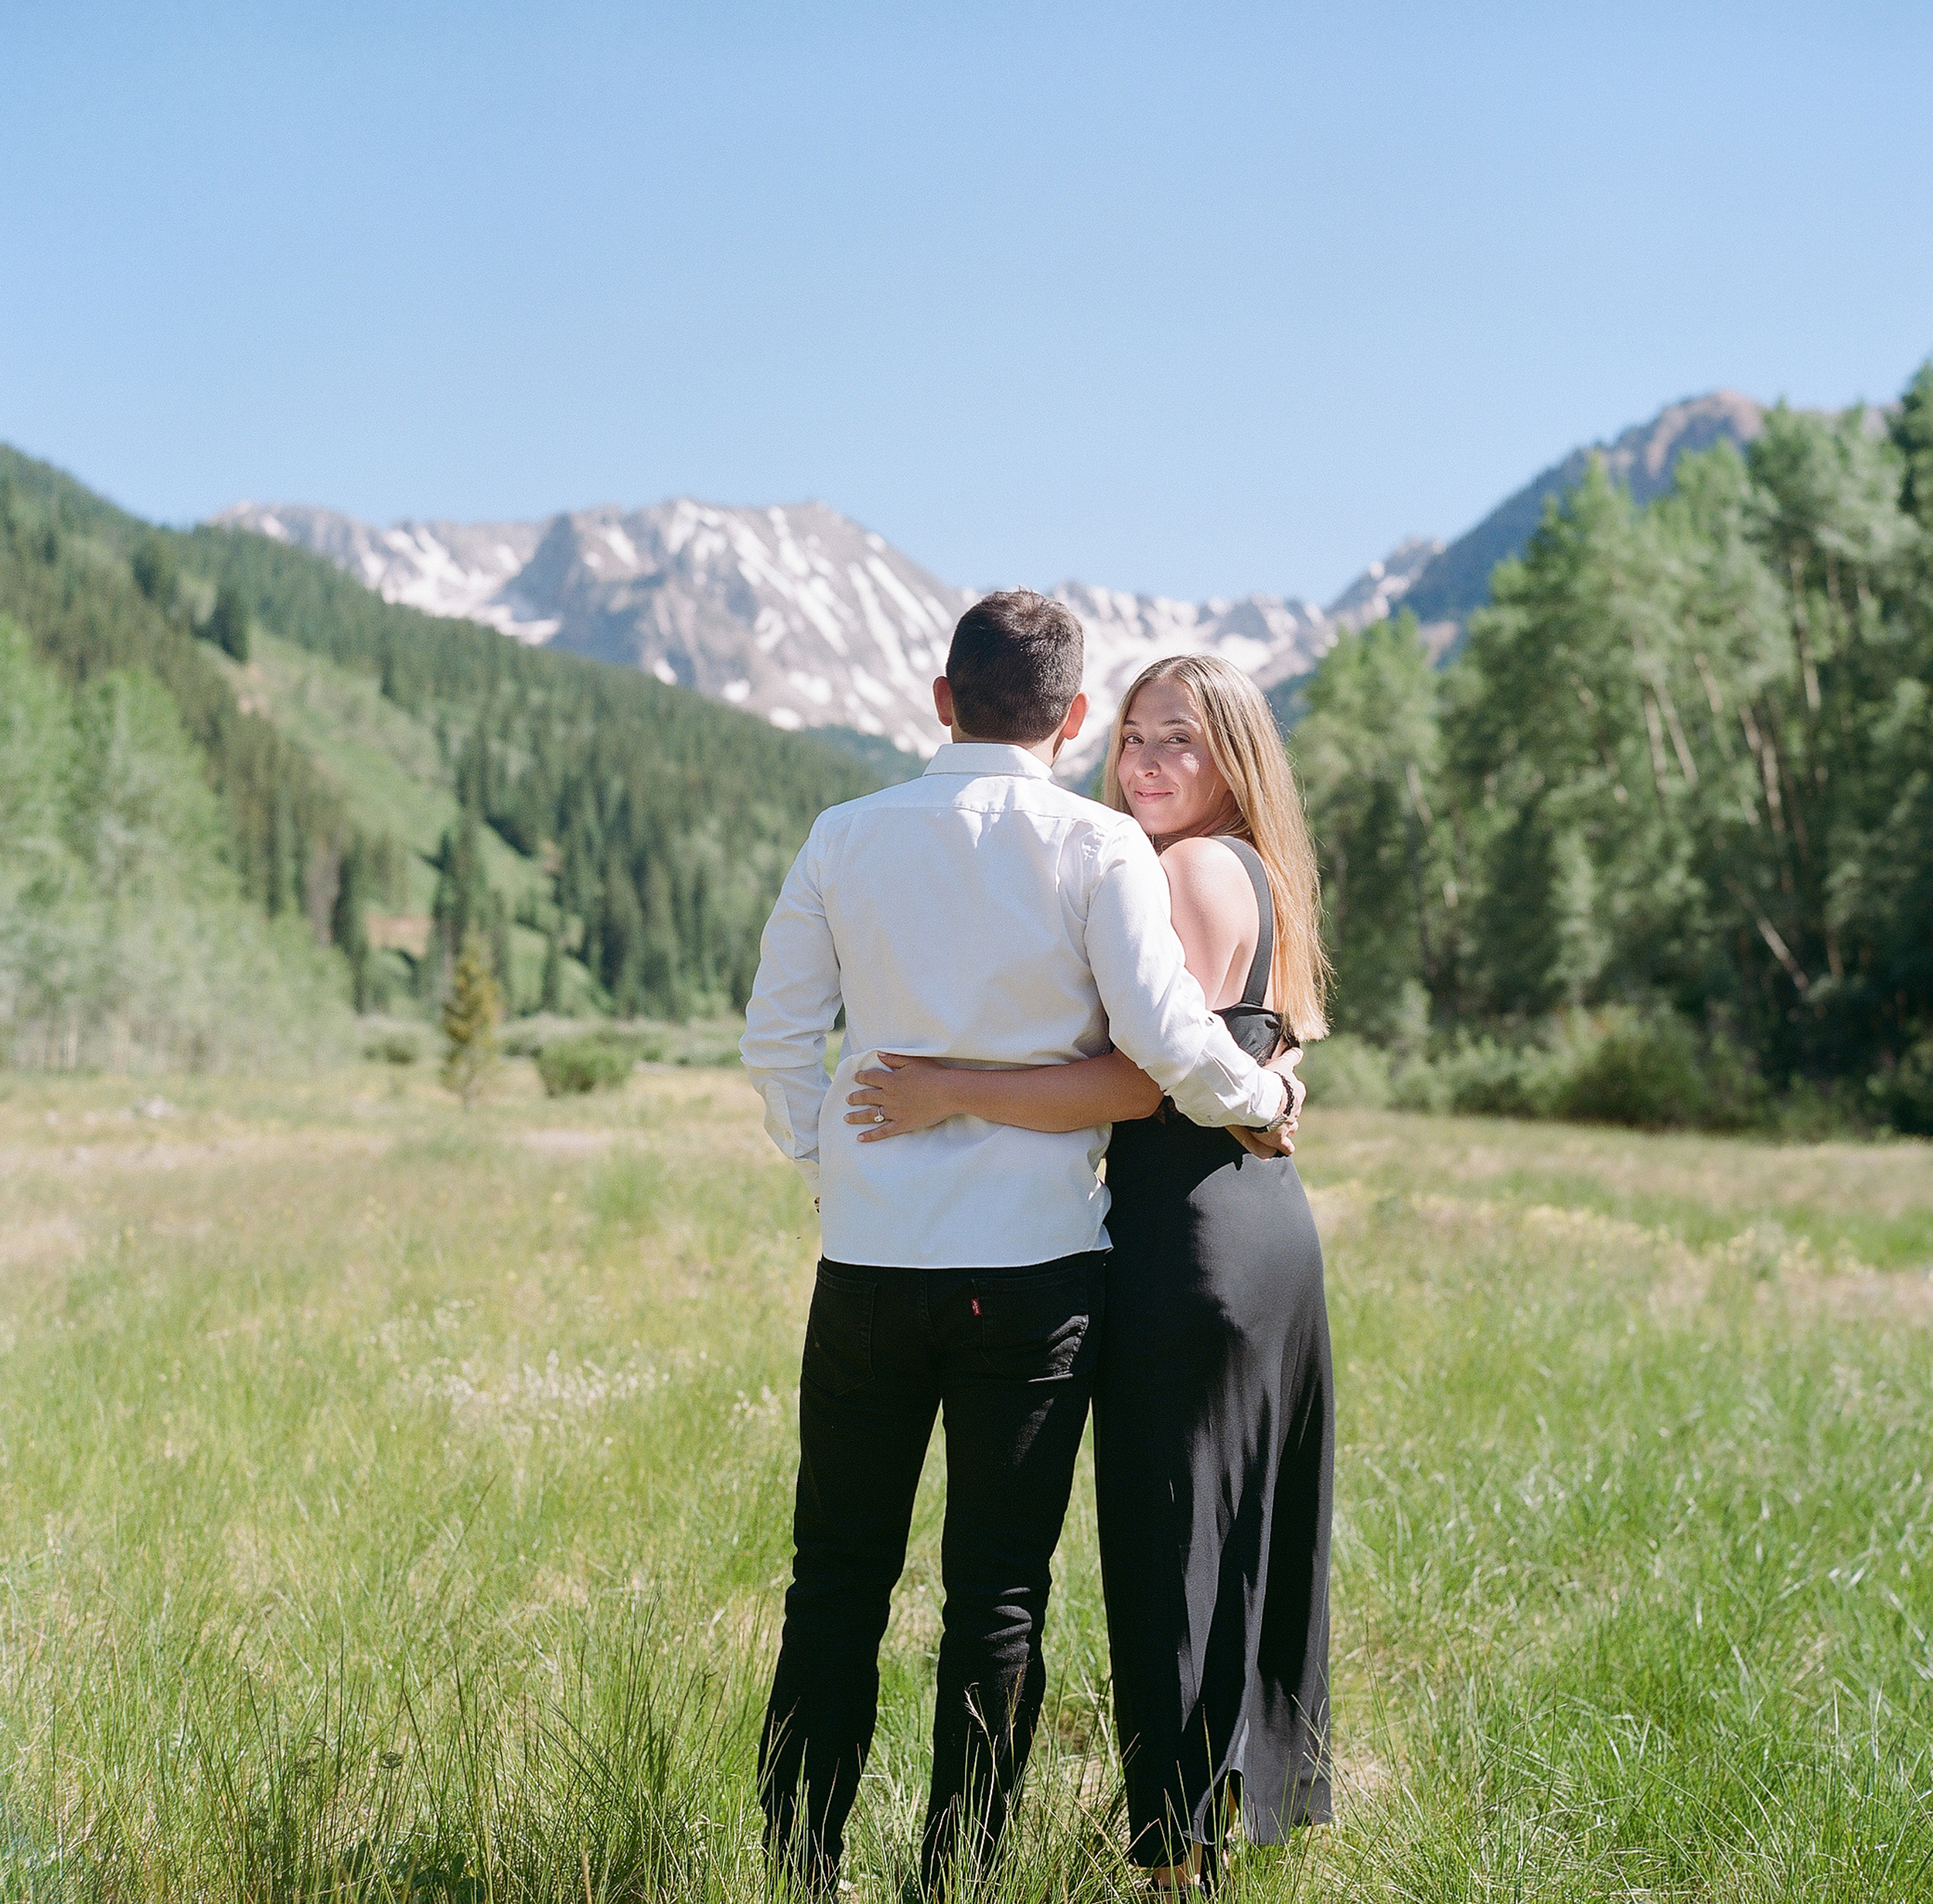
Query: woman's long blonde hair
[(1242, 736)]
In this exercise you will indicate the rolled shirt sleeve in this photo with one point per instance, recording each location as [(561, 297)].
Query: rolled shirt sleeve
[(795, 998), (1156, 1011)]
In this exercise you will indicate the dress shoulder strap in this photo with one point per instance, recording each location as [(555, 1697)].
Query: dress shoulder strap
[(1256, 990)]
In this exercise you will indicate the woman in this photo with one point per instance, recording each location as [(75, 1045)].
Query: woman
[(1214, 1418)]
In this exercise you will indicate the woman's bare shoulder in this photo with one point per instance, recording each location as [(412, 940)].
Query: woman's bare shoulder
[(1205, 880), (1205, 866)]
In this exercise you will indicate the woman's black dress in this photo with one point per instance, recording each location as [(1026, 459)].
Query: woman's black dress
[(1214, 1435)]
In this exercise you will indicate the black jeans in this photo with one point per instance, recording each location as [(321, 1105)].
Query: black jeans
[(1009, 1355)]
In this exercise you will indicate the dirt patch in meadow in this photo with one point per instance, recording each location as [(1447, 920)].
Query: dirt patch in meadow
[(41, 1242), (567, 1140)]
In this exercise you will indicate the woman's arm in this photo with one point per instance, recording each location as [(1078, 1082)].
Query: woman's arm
[(916, 1092)]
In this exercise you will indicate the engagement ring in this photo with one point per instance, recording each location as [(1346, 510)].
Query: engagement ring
[(879, 1117)]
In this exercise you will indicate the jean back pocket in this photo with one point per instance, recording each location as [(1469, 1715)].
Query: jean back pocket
[(1033, 1329), (839, 1333)]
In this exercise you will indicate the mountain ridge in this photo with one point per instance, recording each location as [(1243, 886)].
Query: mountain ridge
[(795, 612), (802, 615), (1643, 457)]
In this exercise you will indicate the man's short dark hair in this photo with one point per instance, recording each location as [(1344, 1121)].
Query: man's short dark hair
[(1015, 666)]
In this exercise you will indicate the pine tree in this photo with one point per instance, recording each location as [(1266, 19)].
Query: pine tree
[(499, 932), (550, 992), (227, 623), (347, 926), (471, 1015), (1912, 433), (461, 901), (621, 939), (154, 572)]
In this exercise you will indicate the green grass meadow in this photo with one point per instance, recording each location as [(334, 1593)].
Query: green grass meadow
[(394, 1505)]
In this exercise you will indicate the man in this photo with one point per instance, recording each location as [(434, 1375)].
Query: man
[(980, 915)]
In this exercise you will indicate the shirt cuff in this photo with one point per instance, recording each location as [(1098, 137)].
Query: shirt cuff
[(1278, 1103)]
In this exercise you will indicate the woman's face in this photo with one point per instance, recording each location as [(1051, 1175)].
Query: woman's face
[(1167, 775)]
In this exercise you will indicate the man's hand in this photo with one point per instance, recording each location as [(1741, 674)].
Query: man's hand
[(1280, 1142)]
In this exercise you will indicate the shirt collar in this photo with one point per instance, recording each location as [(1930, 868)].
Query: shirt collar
[(988, 756)]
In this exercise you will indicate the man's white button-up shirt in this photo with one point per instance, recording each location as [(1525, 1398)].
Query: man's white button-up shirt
[(984, 915)]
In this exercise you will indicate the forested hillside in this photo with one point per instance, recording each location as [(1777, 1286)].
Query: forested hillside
[(665, 821), (1675, 802), (633, 834)]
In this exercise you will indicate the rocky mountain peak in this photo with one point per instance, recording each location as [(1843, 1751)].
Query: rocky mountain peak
[(1643, 457)]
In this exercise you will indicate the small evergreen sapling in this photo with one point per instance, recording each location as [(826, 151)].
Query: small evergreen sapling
[(471, 1015)]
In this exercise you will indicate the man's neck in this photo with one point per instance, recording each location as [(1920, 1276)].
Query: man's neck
[(1046, 751)]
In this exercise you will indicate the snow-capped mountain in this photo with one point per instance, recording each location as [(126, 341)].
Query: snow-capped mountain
[(1374, 594), (1272, 638), (798, 613)]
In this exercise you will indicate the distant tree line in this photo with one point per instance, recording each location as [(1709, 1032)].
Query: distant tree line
[(1682, 770), (1679, 781)]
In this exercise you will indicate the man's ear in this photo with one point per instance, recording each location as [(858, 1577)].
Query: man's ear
[(943, 701), (1076, 718)]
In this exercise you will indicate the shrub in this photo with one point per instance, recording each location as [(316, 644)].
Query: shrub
[(1647, 1075), (1347, 1073), (1485, 1079), (522, 1039), (394, 1048), (1652, 1071), (642, 1047), (577, 1065), (1656, 1072), (1417, 1085), (1904, 1093)]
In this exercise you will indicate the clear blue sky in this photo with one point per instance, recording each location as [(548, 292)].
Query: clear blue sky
[(1194, 298)]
